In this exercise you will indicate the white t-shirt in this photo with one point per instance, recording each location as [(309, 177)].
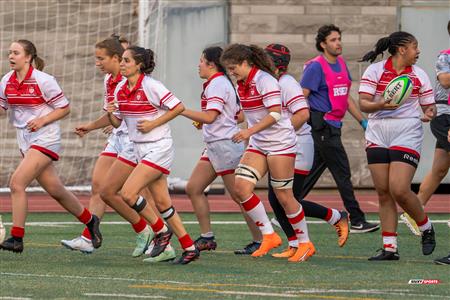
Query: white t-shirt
[(219, 95), (260, 92), (148, 100), (293, 100), (36, 96), (378, 75)]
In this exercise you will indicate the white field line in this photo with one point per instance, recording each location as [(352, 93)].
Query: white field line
[(57, 223), (124, 296), (14, 298), (289, 294)]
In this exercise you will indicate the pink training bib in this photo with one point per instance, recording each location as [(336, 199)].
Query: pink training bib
[(339, 84), (447, 51)]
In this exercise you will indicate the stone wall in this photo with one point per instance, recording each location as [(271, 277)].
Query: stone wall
[(295, 23)]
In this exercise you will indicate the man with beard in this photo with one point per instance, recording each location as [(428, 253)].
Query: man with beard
[(326, 84)]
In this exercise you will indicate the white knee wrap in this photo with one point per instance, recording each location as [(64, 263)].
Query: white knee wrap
[(247, 173), (275, 115), (282, 183)]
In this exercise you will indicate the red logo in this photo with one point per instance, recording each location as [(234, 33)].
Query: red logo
[(259, 224), (298, 231)]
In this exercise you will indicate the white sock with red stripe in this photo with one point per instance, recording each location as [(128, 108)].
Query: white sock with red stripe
[(298, 222), (293, 241), (389, 241), (333, 216), (425, 224), (256, 211)]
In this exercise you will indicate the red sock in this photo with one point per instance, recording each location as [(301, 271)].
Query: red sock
[(86, 234), (185, 241), (139, 226), (85, 216), (158, 225), (18, 232)]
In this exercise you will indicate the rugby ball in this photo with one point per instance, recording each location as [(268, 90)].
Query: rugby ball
[(398, 90)]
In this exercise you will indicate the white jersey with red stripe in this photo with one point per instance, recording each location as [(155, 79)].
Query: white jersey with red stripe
[(148, 100), (219, 95), (377, 76), (110, 84), (36, 96), (293, 100), (260, 92)]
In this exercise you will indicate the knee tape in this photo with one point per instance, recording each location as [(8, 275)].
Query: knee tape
[(168, 213), (247, 173), (140, 204), (280, 184)]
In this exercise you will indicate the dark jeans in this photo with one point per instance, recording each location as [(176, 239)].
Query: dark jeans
[(329, 153)]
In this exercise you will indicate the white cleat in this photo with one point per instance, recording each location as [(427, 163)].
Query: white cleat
[(80, 243), (410, 223)]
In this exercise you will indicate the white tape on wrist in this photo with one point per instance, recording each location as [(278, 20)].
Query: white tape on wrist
[(275, 115)]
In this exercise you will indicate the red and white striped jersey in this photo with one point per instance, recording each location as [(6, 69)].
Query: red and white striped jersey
[(110, 85), (148, 100), (36, 96), (260, 92), (377, 76), (293, 100), (219, 95)]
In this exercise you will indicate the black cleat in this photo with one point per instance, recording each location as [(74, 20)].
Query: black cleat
[(364, 227), (12, 244), (443, 261), (428, 241), (94, 229), (249, 249), (161, 240), (187, 257), (385, 255), (205, 243)]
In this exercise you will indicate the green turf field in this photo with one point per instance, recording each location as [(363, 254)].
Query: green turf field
[(47, 271)]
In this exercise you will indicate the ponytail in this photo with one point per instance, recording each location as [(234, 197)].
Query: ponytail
[(262, 60), (39, 63), (30, 49), (390, 43)]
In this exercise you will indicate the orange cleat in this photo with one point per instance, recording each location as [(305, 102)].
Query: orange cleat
[(342, 229), (286, 253), (305, 251), (269, 242)]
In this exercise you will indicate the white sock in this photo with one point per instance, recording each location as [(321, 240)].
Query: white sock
[(256, 211), (389, 241), (298, 222)]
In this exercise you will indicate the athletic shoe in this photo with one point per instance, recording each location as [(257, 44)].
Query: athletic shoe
[(364, 227), (443, 261), (167, 255), (161, 241), (80, 243), (12, 244), (410, 223), (303, 253), (275, 222), (385, 255), (428, 241), (187, 257), (269, 242), (342, 228), (249, 249), (290, 251), (143, 239), (94, 230), (205, 243)]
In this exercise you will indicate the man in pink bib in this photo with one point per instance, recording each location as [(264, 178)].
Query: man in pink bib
[(326, 84)]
